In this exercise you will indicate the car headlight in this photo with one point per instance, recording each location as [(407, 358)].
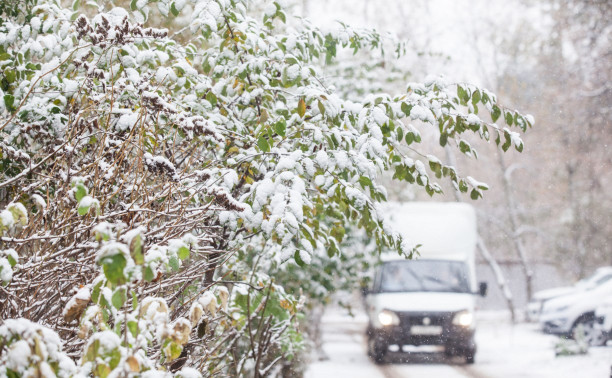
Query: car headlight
[(387, 318), (463, 318)]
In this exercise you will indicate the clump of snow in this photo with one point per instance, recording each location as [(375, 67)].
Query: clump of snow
[(187, 372), (75, 306), (103, 230), (477, 184), (306, 257), (208, 302), (6, 271), (108, 340), (111, 249), (473, 119), (6, 217), (131, 234), (39, 201), (127, 121), (18, 356)]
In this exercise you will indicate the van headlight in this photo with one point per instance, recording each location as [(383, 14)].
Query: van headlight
[(387, 318), (463, 318)]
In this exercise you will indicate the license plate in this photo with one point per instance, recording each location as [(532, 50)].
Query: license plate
[(426, 330)]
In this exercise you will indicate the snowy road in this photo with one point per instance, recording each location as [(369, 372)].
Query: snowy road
[(504, 351)]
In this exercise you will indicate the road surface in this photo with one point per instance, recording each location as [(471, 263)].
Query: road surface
[(504, 351)]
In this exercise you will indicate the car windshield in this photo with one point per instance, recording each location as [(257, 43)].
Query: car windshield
[(424, 275)]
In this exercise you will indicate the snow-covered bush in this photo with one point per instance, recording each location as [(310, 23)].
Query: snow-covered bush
[(156, 179), (28, 349)]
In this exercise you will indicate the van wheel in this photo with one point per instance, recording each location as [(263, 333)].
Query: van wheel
[(469, 358), (376, 350)]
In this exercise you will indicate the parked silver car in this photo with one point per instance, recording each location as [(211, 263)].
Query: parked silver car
[(563, 315), (600, 276)]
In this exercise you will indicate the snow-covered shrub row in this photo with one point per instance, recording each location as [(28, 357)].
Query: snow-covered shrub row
[(157, 182)]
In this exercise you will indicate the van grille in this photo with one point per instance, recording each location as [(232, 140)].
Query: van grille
[(408, 319)]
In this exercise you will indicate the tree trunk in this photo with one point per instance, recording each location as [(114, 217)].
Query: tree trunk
[(514, 223), (484, 252), (499, 277)]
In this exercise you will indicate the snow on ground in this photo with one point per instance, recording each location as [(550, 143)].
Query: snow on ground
[(505, 351)]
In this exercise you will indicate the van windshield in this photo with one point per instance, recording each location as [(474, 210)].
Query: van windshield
[(425, 275)]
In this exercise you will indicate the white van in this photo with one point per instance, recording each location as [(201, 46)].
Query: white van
[(429, 300)]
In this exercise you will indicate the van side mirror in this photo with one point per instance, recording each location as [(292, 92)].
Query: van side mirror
[(482, 289)]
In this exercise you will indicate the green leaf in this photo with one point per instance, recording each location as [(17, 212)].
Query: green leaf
[(136, 249), (133, 5), (365, 181), (400, 134), (409, 138), (509, 118), (9, 100), (298, 259), (321, 107), (119, 297), (171, 350), (148, 274), (11, 260), (10, 76), (280, 127), (462, 94), (95, 293), (474, 194), (210, 97), (92, 350), (435, 166), (262, 142), (485, 98), (80, 192), (406, 109), (337, 232), (301, 109), (133, 327), (475, 97), (173, 9), (183, 253), (113, 268), (495, 113), (174, 263), (507, 143), (443, 139)]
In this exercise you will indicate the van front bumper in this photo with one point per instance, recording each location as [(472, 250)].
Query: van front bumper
[(456, 339)]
